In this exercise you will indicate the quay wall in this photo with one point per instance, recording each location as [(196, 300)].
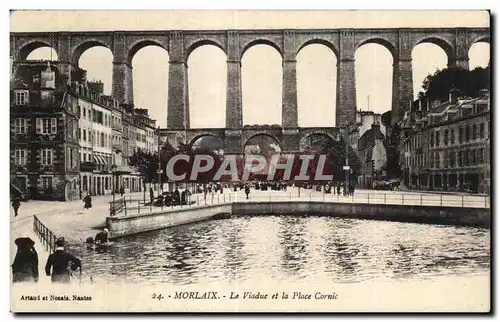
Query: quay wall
[(133, 224), (120, 226), (478, 217)]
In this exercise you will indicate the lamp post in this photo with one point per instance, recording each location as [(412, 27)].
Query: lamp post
[(113, 169), (346, 166), (160, 184)]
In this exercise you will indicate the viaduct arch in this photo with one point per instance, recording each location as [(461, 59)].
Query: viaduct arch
[(69, 46)]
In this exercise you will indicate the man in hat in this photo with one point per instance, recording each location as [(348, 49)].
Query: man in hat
[(102, 237), (61, 263)]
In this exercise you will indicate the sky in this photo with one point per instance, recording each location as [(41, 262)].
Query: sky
[(261, 64)]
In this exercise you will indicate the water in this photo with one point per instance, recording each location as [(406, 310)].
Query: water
[(291, 248)]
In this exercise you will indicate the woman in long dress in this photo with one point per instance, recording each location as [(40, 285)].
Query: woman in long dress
[(25, 266)]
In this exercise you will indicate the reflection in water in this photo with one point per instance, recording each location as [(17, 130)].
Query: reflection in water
[(341, 251), (289, 248), (294, 245)]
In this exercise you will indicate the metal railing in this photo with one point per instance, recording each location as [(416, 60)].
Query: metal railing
[(137, 206), (47, 237)]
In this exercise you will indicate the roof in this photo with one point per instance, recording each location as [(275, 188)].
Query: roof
[(367, 140)]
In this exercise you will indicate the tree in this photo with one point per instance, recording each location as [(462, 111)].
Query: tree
[(146, 164), (468, 82)]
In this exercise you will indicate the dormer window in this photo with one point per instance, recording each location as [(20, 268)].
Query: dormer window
[(21, 97)]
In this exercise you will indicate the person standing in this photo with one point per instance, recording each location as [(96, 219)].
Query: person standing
[(88, 202), (25, 266), (247, 190), (60, 264), (16, 203), (151, 194)]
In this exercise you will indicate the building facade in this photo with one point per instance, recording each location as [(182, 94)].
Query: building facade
[(364, 121), (372, 155), (368, 138), (44, 147), (447, 148), (67, 141), (96, 157)]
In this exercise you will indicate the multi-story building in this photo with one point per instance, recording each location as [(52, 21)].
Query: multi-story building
[(364, 121), (448, 146), (67, 141), (96, 156), (44, 133), (147, 133), (372, 155), (368, 138)]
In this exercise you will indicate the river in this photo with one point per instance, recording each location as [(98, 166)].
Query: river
[(290, 249)]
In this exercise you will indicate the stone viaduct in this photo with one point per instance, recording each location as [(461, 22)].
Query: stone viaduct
[(180, 43)]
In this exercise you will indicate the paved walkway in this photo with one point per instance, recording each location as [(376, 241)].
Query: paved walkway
[(71, 220)]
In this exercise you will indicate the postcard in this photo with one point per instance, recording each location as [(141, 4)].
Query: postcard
[(250, 161)]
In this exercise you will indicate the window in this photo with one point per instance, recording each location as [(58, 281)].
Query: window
[(467, 134), (452, 159), (80, 134), (20, 126), (437, 138), (473, 157), (46, 157), (445, 137), (432, 139), (481, 130), (21, 97), (46, 182), (84, 112), (480, 156), (68, 158), (466, 157), (75, 129), (452, 136), (460, 134), (79, 111), (474, 132), (102, 140), (46, 126), (74, 158), (437, 161), (20, 157)]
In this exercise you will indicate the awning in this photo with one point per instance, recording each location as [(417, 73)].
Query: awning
[(103, 160), (97, 159)]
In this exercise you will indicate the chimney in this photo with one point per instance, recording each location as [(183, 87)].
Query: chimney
[(453, 98), (376, 126)]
